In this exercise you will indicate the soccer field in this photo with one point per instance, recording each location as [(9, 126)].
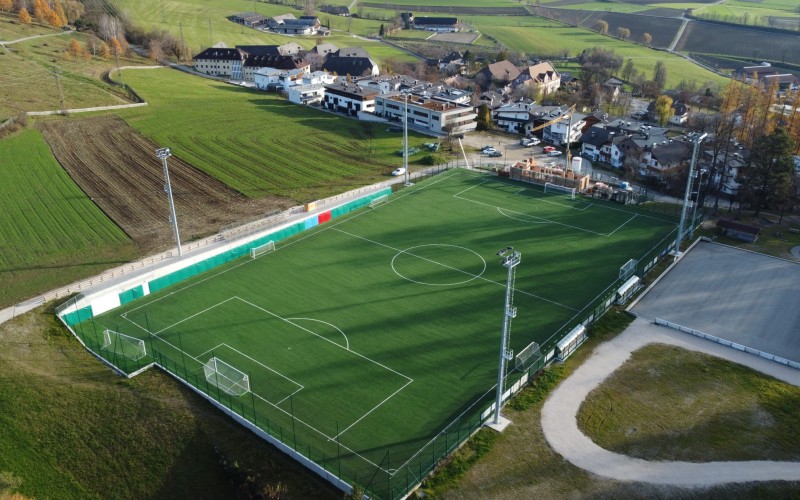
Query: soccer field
[(370, 343)]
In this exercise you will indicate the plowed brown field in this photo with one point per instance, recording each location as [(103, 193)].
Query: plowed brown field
[(117, 168)]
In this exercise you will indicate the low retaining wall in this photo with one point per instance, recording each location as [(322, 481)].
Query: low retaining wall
[(728, 343), (126, 289)]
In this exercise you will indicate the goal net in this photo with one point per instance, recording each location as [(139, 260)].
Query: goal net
[(226, 378), (124, 345), (262, 249), (549, 187), (628, 269), (528, 357), (377, 201)]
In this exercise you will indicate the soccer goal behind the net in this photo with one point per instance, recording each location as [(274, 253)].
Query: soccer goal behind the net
[(262, 249), (549, 187), (377, 201), (123, 345), (226, 378), (527, 357)]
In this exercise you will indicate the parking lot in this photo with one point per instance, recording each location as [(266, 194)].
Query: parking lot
[(510, 150)]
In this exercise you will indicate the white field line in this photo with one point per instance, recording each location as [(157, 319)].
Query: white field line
[(621, 225), (346, 340), (390, 396), (195, 314), (455, 269), (502, 212), (535, 217), (275, 405), (298, 384)]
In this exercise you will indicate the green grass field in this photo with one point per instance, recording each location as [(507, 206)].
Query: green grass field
[(28, 78), (50, 232), (378, 330), (259, 143)]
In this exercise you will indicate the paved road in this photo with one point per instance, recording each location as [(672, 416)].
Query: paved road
[(561, 428)]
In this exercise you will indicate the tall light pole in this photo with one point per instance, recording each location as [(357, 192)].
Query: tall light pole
[(689, 180), (405, 139), (511, 259), (165, 153)]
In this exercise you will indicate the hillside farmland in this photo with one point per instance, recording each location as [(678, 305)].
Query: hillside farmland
[(117, 168), (757, 45)]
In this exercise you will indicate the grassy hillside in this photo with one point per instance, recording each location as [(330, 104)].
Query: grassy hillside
[(70, 428), (258, 143), (50, 232), (28, 77), (204, 23)]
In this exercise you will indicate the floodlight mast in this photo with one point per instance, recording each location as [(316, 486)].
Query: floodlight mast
[(163, 154), (405, 138), (679, 237), (511, 259)]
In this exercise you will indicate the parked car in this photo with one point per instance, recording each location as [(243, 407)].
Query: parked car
[(529, 142), (487, 148), (494, 154), (398, 171), (548, 149), (554, 153)]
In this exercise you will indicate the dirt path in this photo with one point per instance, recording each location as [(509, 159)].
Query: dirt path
[(560, 426)]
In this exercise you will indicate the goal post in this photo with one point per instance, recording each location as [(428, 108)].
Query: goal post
[(377, 201), (628, 269), (528, 357), (260, 250), (555, 188), (124, 345), (226, 378)]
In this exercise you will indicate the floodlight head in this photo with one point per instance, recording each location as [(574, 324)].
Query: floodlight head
[(702, 137), (504, 251), (163, 153)]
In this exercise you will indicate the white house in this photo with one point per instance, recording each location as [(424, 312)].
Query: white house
[(270, 78), (557, 133), (349, 98), (306, 94), (513, 117), (428, 114)]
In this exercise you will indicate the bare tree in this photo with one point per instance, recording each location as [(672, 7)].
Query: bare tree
[(602, 27), (623, 33), (647, 39)]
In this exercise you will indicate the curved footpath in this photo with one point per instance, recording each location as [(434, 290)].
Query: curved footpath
[(561, 430)]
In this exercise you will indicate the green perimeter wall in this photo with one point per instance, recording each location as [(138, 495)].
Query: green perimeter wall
[(76, 315)]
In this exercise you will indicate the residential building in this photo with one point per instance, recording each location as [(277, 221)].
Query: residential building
[(275, 21), (305, 94), (349, 98), (253, 64), (317, 55), (306, 25), (427, 114), (287, 49), (220, 61), (560, 131), (274, 79), (542, 75), (665, 158), (501, 73), (441, 24), (612, 88), (679, 116), (351, 66), (351, 52), (512, 117)]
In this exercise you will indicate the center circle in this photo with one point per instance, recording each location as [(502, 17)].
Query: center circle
[(438, 264)]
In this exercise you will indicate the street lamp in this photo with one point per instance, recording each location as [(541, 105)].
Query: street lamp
[(163, 154), (510, 260), (689, 180)]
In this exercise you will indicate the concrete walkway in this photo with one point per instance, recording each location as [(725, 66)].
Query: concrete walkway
[(561, 428)]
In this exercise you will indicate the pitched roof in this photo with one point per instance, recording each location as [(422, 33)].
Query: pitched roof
[(429, 21), (544, 72), (221, 54), (352, 52), (286, 49), (596, 136), (324, 49), (353, 66), (671, 153), (273, 61), (501, 70)]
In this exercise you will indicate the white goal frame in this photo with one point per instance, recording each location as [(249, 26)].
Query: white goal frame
[(562, 189), (628, 269), (124, 345), (377, 201), (226, 378), (527, 357), (260, 250)]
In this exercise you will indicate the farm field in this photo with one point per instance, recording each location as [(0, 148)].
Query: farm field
[(37, 61), (662, 29), (12, 29), (557, 40), (257, 143), (116, 167), (51, 233), (706, 38), (418, 6), (361, 370)]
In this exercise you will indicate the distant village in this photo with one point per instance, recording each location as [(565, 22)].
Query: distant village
[(348, 81)]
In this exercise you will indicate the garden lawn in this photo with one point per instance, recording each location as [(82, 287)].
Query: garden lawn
[(258, 143), (50, 233)]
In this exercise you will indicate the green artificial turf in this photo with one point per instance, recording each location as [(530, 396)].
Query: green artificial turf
[(365, 337)]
